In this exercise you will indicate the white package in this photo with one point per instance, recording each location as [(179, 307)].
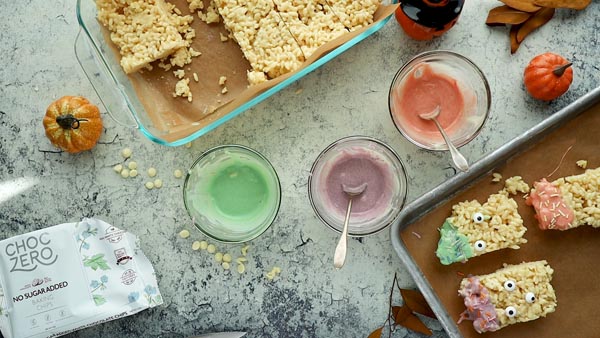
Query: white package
[(71, 276)]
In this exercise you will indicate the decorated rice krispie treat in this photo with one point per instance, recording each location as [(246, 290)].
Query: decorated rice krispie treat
[(474, 229), (513, 294), (567, 202)]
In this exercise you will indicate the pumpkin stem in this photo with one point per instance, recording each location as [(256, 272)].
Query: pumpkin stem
[(559, 71), (68, 121)]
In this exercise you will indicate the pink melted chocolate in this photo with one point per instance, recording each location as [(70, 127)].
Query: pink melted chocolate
[(479, 306), (551, 210), (422, 92), (353, 168)]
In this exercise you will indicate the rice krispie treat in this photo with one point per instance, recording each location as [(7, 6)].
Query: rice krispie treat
[(144, 30), (474, 229), (513, 294), (567, 202)]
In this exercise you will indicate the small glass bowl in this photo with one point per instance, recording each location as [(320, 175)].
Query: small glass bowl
[(207, 216), (471, 82), (319, 173)]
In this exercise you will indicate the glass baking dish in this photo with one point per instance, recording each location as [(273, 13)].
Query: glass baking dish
[(115, 89)]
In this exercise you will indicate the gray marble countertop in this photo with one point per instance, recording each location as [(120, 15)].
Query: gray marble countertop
[(345, 97)]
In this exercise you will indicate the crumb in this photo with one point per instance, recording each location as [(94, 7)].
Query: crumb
[(582, 164), (180, 73), (224, 38), (299, 91), (496, 177), (222, 80), (195, 5), (195, 77), (516, 184), (182, 89), (224, 90)]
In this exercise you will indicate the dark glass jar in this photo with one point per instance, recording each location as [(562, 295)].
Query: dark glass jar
[(426, 19)]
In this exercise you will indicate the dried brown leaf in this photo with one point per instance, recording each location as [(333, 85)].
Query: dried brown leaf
[(416, 302), (376, 333), (572, 4), (506, 15), (536, 21), (412, 322), (400, 313), (514, 43), (522, 5)]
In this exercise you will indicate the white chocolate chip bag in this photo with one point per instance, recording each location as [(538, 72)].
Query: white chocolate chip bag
[(71, 276)]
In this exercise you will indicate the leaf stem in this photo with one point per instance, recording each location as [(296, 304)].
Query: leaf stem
[(559, 71)]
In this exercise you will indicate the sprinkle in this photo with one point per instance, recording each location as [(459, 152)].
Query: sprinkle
[(460, 274), (416, 235), (560, 162), (562, 213), (545, 218), (299, 91), (195, 77), (184, 234), (554, 195)]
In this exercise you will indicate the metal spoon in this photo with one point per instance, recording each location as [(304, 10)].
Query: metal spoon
[(459, 160), (339, 257)]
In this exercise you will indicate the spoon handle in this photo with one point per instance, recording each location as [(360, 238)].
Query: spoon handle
[(459, 160), (339, 257)]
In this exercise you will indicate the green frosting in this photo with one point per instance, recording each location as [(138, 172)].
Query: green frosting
[(453, 246)]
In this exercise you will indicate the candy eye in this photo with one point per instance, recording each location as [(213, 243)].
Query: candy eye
[(480, 245), (478, 217), (510, 311), (510, 285), (529, 297)]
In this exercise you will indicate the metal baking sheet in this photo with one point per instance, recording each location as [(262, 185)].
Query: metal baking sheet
[(429, 201)]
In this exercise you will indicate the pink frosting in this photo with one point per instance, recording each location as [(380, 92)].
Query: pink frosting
[(479, 307), (551, 210)]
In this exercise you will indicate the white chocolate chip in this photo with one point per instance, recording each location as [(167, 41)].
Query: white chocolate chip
[(196, 246), (118, 168), (219, 257), (151, 172), (125, 173), (126, 153), (241, 268), (177, 173), (158, 183), (149, 185), (211, 248), (184, 234), (241, 260), (133, 173), (132, 165), (227, 258), (203, 245), (226, 265)]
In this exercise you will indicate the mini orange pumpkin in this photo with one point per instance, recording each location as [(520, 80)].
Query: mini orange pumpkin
[(548, 76), (73, 124)]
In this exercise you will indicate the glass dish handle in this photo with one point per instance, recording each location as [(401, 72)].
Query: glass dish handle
[(108, 90)]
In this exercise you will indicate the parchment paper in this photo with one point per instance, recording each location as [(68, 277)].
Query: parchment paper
[(574, 254), (176, 117)]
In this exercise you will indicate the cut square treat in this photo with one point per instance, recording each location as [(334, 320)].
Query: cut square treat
[(567, 202), (354, 14), (474, 229), (143, 30), (513, 294)]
